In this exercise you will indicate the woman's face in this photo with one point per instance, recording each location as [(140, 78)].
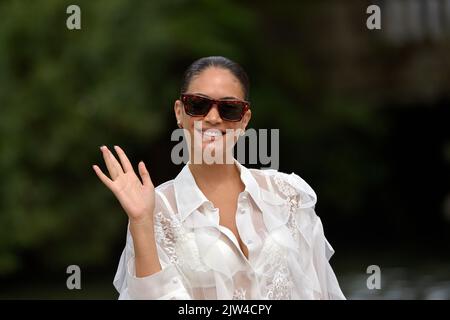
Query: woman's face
[(212, 138)]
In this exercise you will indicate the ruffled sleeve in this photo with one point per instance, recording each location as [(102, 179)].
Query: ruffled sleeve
[(169, 283), (313, 249), (322, 252)]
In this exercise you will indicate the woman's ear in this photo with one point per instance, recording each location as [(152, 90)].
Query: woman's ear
[(246, 119), (178, 109)]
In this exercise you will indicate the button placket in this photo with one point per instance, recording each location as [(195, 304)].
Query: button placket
[(243, 220), (243, 203), (245, 224)]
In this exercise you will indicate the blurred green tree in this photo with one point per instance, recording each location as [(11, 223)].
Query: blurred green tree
[(315, 75)]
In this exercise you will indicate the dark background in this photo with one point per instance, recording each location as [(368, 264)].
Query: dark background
[(363, 118)]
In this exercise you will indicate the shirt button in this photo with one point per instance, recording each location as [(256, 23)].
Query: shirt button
[(174, 280), (244, 197), (242, 210), (249, 242)]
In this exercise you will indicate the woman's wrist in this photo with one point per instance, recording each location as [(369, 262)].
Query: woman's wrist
[(145, 219)]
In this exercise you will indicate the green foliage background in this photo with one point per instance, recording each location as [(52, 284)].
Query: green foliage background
[(316, 74)]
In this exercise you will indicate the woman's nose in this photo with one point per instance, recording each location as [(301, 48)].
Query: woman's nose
[(213, 115)]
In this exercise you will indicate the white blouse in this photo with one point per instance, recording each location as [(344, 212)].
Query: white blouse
[(200, 259)]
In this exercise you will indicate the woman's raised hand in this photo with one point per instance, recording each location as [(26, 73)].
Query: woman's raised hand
[(136, 197)]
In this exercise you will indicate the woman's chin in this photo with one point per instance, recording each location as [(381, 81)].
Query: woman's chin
[(212, 152)]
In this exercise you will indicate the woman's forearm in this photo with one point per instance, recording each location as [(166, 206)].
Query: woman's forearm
[(146, 254)]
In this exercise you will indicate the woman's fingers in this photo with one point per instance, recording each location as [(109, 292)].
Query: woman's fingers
[(145, 176), (112, 164), (107, 181), (126, 165)]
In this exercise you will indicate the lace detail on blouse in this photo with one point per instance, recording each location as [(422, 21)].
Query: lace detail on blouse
[(168, 232), (179, 245), (279, 285), (239, 294), (293, 203), (293, 228), (292, 196)]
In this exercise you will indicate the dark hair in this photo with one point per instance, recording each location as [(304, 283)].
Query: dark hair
[(220, 62)]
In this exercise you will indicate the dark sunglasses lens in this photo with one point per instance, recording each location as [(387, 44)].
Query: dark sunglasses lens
[(197, 106), (231, 111)]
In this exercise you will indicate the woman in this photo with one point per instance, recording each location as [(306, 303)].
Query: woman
[(218, 230)]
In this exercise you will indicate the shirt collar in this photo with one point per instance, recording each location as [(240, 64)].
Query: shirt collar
[(189, 197)]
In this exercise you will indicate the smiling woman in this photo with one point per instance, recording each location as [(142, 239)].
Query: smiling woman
[(218, 230)]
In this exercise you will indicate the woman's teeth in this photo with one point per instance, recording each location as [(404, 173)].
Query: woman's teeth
[(212, 133)]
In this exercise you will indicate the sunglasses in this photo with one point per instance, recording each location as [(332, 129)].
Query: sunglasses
[(199, 106)]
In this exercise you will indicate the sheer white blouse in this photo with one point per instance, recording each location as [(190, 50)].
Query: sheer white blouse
[(288, 253)]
